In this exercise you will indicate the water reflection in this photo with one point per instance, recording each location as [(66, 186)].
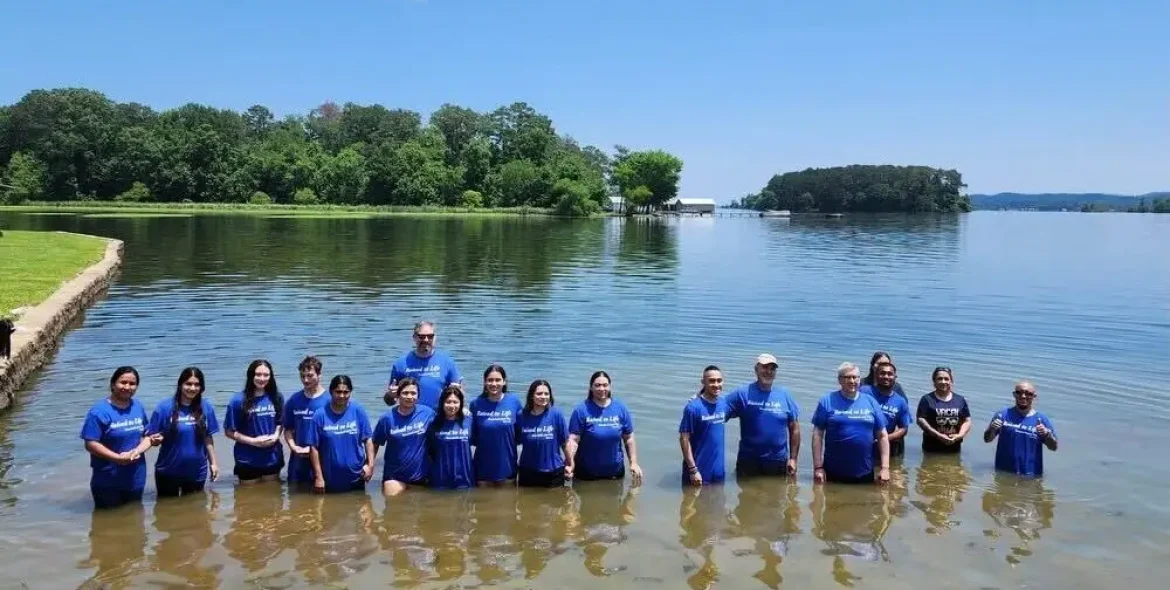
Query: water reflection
[(940, 484), (117, 547), (185, 526), (605, 510), (768, 513), (450, 526), (702, 516), (400, 537), (545, 518), (1023, 506), (336, 536), (851, 521), (259, 523)]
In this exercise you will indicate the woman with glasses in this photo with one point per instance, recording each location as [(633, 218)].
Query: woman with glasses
[(943, 415), (1023, 433)]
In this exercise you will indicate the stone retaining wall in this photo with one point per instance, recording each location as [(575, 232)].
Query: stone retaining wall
[(39, 330)]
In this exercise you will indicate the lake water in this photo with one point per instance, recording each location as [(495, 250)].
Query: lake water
[(1077, 303)]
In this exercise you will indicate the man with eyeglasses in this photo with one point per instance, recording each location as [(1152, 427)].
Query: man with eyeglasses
[(769, 426), (433, 368), (1023, 433)]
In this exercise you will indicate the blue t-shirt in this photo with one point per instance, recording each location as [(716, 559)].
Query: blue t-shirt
[(850, 428), (705, 421), (449, 447), (120, 431), (542, 439), (897, 411), (340, 440), (599, 453), (763, 421), (183, 454), (433, 373), (1019, 449), (405, 438), (261, 420), (494, 436), (299, 411)]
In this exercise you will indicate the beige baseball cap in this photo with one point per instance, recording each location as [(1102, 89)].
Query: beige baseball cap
[(766, 359)]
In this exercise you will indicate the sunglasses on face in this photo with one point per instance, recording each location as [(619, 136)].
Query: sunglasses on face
[(1019, 393), (425, 336)]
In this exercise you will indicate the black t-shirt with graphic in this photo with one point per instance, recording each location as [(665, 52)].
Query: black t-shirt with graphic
[(945, 417)]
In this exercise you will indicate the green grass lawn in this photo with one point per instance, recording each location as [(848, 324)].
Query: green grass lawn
[(34, 264), (284, 210)]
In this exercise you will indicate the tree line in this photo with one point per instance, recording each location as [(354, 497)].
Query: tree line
[(1155, 206), (76, 144), (859, 188)]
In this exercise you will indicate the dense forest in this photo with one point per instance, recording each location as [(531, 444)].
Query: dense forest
[(862, 189), (76, 144), (1085, 202)]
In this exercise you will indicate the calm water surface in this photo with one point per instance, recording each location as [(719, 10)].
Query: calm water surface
[(1080, 304)]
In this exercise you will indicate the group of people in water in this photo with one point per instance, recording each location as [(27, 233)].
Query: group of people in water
[(433, 437)]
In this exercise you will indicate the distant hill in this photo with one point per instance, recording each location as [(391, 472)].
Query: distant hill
[(1058, 201)]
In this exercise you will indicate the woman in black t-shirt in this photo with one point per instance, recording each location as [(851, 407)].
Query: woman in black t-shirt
[(943, 415)]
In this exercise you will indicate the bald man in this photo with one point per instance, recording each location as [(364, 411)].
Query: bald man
[(1023, 433)]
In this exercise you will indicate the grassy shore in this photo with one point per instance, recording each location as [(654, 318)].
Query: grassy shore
[(34, 264), (113, 207)]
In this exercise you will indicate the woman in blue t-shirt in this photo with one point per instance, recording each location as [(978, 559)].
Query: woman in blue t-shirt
[(115, 436), (186, 423), (598, 430), (494, 414), (943, 415), (543, 437), (253, 422), (338, 436), (403, 431), (449, 444)]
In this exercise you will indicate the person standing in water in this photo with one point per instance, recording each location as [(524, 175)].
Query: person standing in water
[(338, 436), (598, 429), (253, 422), (871, 378), (943, 415), (449, 444), (431, 368), (1023, 434), (845, 425), (186, 423), (494, 414), (700, 433), (543, 437), (893, 405), (115, 435), (403, 431), (769, 424), (299, 411)]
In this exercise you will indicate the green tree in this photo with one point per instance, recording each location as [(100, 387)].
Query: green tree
[(23, 179), (863, 189), (656, 170), (137, 193)]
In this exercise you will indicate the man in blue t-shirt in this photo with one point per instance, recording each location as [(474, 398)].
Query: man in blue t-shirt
[(433, 368), (895, 407), (700, 432), (769, 427), (1023, 433)]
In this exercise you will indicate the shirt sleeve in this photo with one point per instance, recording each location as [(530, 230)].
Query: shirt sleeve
[(820, 417), (923, 411), (576, 422), (965, 411), (627, 421), (209, 415), (381, 430), (735, 404), (1048, 424), (229, 417), (562, 429), (686, 425), (312, 436), (288, 420), (156, 421), (364, 430), (903, 417), (92, 428), (453, 375), (793, 408), (879, 418)]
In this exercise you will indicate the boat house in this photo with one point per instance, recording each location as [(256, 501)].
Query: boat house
[(699, 206)]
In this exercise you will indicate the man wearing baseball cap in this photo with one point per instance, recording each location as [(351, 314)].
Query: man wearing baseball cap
[(769, 425)]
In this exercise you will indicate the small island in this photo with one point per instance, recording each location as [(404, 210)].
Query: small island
[(861, 188), (77, 147)]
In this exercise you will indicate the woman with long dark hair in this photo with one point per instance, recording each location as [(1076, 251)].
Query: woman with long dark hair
[(494, 415), (340, 449), (943, 415), (449, 444), (403, 431), (115, 436), (186, 423), (543, 437), (253, 422), (599, 429)]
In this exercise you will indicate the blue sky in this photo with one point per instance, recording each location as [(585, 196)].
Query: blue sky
[(1019, 95)]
